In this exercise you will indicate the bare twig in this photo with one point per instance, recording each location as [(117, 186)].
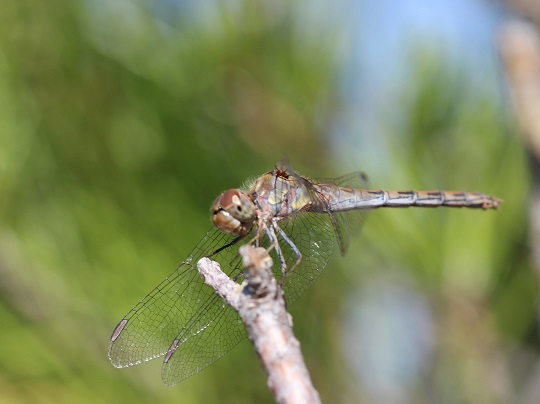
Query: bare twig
[(520, 51), (260, 304)]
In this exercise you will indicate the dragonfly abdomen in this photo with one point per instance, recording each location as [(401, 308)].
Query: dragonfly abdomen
[(456, 199), (350, 199)]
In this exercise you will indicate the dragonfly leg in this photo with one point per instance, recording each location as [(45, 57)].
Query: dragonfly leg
[(275, 245), (293, 247), (256, 242), (223, 247)]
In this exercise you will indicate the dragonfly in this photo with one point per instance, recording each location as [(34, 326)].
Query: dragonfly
[(299, 220)]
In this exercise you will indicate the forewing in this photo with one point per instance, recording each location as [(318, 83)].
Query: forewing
[(175, 308)]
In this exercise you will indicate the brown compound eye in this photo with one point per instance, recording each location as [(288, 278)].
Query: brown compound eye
[(233, 212)]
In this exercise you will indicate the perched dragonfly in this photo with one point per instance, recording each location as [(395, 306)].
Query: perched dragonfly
[(297, 219)]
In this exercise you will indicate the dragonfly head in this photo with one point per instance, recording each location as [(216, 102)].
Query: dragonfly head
[(233, 212)]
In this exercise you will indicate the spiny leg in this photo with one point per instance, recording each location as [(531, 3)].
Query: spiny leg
[(275, 245), (229, 244), (295, 249)]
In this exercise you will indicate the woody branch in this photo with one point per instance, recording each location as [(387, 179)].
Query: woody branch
[(260, 304)]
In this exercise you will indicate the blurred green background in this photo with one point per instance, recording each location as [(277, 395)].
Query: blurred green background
[(121, 121)]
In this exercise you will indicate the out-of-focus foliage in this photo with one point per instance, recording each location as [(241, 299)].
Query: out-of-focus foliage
[(121, 121)]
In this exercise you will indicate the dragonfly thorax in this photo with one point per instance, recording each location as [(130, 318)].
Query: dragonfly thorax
[(280, 195), (233, 212)]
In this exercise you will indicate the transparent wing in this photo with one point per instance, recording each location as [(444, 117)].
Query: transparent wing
[(347, 225), (215, 328), (312, 234), (174, 307), (212, 332)]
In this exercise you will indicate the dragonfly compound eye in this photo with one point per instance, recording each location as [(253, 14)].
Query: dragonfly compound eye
[(233, 212)]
